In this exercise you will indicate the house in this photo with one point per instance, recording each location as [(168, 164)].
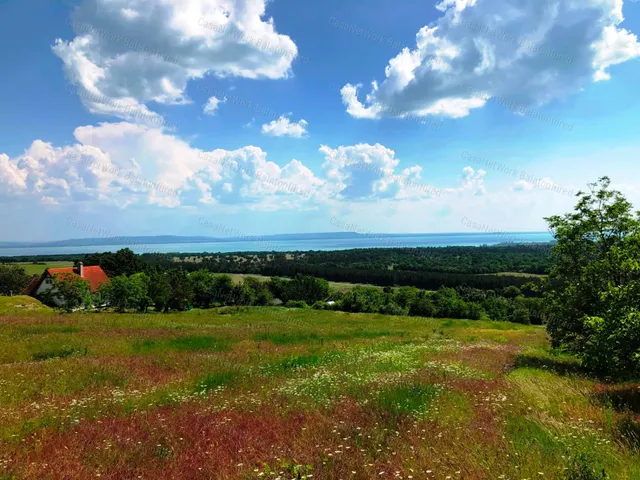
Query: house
[(39, 285)]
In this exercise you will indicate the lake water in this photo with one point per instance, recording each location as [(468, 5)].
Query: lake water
[(325, 244)]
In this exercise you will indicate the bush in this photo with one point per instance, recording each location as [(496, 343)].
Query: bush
[(296, 304), (582, 468), (258, 291), (392, 308), (497, 308), (307, 288), (320, 306), (521, 315), (423, 307), (475, 311)]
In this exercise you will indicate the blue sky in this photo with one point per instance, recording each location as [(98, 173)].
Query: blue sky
[(140, 117)]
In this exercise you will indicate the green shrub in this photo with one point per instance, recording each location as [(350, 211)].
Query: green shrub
[(582, 468), (521, 315), (57, 352), (296, 304)]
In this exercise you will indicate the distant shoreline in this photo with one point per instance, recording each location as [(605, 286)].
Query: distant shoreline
[(274, 243), (170, 239)]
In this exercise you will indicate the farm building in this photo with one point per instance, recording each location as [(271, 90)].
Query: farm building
[(39, 285)]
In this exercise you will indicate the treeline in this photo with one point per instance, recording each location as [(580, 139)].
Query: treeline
[(179, 290), (428, 268), (125, 261), (520, 258)]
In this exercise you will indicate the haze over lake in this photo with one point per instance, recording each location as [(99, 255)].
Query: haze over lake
[(268, 244)]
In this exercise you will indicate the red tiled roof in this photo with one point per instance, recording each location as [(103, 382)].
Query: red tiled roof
[(32, 287), (95, 275)]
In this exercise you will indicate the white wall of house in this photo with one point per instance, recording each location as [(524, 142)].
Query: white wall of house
[(47, 284)]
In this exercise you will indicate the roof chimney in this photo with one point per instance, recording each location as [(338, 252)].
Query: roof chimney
[(80, 272)]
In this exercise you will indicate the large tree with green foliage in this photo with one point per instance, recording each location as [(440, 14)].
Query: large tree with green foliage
[(72, 290), (127, 292), (593, 300), (159, 290), (13, 280)]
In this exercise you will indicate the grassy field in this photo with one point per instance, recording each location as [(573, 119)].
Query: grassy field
[(516, 274), (238, 277), (262, 392), (38, 269)]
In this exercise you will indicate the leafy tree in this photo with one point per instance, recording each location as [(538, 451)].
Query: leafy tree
[(181, 290), (259, 291), (13, 280), (307, 288), (497, 308), (203, 288), (72, 290), (511, 292), (475, 311), (520, 315), (278, 288), (423, 307), (362, 300), (405, 296), (127, 292), (123, 262), (593, 296), (535, 307), (159, 290), (223, 289)]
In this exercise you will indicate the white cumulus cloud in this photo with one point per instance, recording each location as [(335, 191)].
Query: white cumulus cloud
[(285, 127), (128, 53), (524, 53), (211, 107)]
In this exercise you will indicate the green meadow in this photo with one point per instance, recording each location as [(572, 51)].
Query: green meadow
[(38, 268), (260, 392)]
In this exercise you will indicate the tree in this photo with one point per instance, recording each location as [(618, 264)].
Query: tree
[(307, 288), (203, 288), (13, 280), (159, 290), (223, 289), (123, 262), (423, 307), (511, 292), (259, 291), (127, 292), (72, 291), (497, 308), (593, 293), (181, 290)]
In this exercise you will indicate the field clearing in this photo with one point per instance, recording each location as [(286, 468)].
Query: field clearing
[(259, 392), (238, 277), (38, 269), (517, 274)]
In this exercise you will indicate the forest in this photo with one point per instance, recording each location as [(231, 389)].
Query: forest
[(428, 268)]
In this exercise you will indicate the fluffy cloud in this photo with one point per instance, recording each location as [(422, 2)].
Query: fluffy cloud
[(123, 164), (211, 107), (523, 53), (285, 127), (367, 172), (128, 53)]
